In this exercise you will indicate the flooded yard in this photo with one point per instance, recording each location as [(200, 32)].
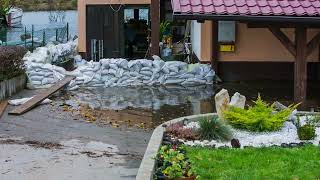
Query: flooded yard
[(79, 127), (139, 107)]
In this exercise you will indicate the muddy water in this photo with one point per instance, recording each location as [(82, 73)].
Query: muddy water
[(142, 107), (147, 107)]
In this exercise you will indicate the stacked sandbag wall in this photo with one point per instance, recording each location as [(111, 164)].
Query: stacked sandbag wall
[(112, 72)]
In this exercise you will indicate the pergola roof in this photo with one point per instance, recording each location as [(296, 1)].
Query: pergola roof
[(246, 9)]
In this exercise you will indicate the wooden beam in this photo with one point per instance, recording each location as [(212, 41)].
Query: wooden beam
[(40, 97), (215, 46), (155, 27), (282, 25), (286, 42), (300, 66), (313, 44), (3, 105)]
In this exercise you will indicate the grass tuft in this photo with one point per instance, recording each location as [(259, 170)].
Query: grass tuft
[(214, 129)]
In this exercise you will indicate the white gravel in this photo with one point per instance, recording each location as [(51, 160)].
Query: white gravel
[(288, 134)]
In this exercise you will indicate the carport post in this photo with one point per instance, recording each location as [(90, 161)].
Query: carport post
[(155, 26), (300, 65)]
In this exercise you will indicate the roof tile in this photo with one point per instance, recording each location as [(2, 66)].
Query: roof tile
[(249, 7)]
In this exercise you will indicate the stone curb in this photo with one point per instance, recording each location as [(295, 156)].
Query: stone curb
[(147, 166)]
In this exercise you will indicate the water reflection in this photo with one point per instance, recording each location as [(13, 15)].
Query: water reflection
[(143, 107)]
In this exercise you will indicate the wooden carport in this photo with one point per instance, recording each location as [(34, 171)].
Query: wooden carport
[(270, 14)]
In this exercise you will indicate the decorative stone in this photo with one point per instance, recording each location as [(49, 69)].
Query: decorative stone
[(235, 143), (238, 100), (278, 106), (294, 145), (223, 147), (284, 145), (222, 100)]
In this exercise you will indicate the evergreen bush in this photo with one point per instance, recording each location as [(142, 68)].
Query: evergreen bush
[(260, 117)]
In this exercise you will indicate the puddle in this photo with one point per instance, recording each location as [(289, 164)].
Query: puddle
[(147, 107), (140, 107)]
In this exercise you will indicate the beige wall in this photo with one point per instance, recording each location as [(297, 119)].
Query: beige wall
[(253, 44), (82, 15)]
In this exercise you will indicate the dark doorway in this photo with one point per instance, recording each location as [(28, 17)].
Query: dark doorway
[(104, 32), (117, 31), (137, 31)]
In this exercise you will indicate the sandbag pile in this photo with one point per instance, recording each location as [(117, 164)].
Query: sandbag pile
[(112, 72), (149, 97)]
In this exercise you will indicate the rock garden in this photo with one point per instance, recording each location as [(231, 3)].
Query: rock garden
[(238, 142)]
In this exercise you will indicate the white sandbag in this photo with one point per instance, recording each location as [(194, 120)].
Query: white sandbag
[(46, 81), (36, 78), (146, 73), (17, 102)]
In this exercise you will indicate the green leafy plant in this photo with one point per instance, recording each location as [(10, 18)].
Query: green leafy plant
[(214, 128), (260, 117), (307, 132), (164, 29), (4, 7), (174, 162)]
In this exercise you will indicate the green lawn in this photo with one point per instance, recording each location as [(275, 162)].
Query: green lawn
[(253, 163)]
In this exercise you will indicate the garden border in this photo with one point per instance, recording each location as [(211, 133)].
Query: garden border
[(147, 165), (12, 86)]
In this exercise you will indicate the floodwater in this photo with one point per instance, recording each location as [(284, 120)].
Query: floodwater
[(147, 107), (45, 20), (141, 107)]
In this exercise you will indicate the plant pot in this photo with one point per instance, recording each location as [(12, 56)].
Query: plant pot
[(184, 178)]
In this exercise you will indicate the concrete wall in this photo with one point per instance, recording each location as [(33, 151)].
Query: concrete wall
[(253, 45), (82, 4)]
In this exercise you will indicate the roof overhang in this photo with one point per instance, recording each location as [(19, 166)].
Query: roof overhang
[(250, 18)]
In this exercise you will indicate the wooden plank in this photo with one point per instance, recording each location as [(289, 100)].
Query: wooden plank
[(155, 27), (3, 105), (313, 44), (40, 97), (286, 42), (300, 67)]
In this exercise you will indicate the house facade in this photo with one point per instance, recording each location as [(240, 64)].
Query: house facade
[(256, 39), (102, 27)]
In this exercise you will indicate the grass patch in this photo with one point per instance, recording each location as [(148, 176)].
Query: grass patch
[(256, 163)]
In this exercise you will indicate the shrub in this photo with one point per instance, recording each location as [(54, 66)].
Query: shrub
[(260, 117), (11, 63), (214, 128), (180, 132), (307, 132)]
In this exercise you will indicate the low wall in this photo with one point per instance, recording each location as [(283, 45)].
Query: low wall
[(148, 162), (12, 86)]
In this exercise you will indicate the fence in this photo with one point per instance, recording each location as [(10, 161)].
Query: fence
[(31, 38)]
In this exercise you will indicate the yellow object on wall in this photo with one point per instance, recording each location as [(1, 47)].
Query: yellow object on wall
[(227, 47)]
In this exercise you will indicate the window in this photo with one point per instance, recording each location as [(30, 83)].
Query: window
[(227, 32)]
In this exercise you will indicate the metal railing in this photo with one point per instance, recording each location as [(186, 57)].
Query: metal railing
[(31, 38)]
